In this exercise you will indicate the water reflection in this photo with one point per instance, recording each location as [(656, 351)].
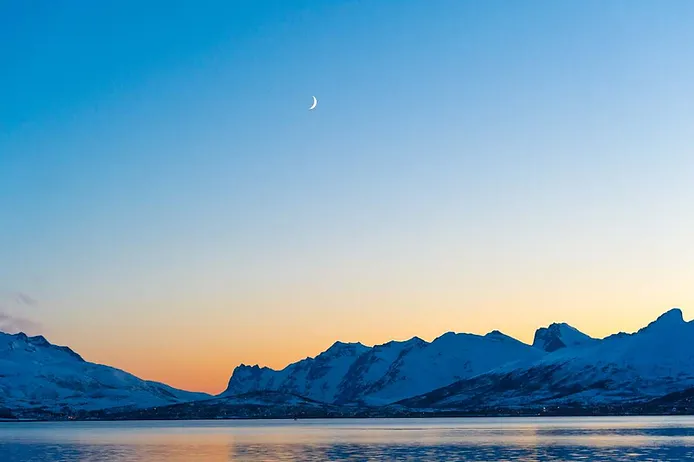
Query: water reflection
[(633, 439)]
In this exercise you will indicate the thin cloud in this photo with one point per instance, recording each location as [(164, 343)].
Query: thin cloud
[(25, 299), (13, 308), (12, 324)]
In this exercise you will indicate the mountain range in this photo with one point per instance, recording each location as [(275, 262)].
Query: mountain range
[(656, 361), (564, 369)]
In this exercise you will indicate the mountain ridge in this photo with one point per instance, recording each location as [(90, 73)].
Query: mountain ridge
[(455, 372), (377, 374), (654, 361)]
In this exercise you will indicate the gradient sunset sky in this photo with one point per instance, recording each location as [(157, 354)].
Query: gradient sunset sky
[(169, 205)]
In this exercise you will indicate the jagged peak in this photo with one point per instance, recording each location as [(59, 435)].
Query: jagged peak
[(244, 372), (672, 318), (254, 367), (559, 335), (672, 315), (41, 342), (560, 325), (341, 345), (342, 348)]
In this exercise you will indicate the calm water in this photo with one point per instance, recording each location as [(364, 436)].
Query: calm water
[(502, 439)]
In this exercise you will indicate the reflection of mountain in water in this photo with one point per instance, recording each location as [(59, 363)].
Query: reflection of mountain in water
[(555, 439)]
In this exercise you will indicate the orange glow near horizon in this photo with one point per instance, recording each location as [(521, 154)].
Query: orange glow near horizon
[(204, 360)]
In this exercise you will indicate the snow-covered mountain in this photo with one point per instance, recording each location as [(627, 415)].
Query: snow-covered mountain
[(36, 375), (354, 373), (653, 362), (564, 368), (421, 366), (560, 335), (316, 378)]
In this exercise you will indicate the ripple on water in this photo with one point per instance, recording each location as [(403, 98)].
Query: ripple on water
[(524, 440)]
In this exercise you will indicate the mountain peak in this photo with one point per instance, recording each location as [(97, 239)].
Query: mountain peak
[(447, 336), (559, 335), (670, 319), (248, 367), (338, 344), (39, 340), (674, 315), (37, 343), (497, 334), (343, 348)]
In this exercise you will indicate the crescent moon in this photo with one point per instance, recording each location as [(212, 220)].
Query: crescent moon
[(313, 106)]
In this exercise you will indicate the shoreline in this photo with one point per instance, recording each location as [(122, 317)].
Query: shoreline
[(354, 417)]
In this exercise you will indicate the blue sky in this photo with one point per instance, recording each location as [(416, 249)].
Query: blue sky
[(470, 166)]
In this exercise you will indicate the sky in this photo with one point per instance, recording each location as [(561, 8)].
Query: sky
[(170, 206)]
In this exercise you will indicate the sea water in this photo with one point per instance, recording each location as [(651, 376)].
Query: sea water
[(464, 439)]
